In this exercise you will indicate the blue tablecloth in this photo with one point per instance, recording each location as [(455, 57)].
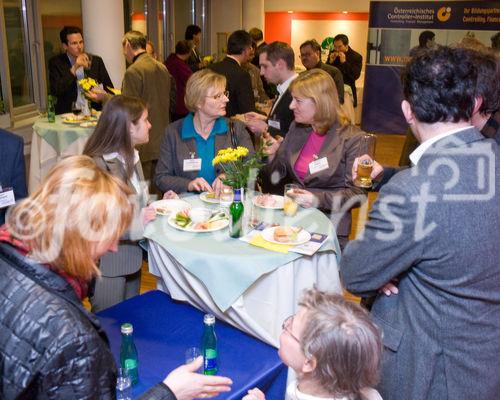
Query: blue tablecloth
[(164, 329), (227, 267)]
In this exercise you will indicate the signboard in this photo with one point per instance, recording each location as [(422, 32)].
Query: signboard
[(394, 30)]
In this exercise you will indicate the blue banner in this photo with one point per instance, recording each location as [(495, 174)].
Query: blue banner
[(394, 31)]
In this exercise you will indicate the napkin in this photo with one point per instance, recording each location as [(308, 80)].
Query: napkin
[(259, 241)]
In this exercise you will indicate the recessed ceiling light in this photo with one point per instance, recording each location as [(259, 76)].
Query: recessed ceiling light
[(290, 11), (344, 12)]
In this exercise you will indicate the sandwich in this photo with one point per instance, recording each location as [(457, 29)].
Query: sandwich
[(286, 234)]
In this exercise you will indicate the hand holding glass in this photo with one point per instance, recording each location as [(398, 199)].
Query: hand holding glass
[(290, 206), (365, 164)]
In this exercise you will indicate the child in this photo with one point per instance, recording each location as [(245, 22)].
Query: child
[(333, 348)]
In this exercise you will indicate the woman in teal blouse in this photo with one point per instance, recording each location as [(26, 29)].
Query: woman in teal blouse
[(190, 144)]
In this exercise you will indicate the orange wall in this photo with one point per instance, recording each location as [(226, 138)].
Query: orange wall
[(278, 25)]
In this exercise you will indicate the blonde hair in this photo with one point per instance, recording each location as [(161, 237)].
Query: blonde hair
[(198, 86), (78, 207), (318, 85), (347, 346)]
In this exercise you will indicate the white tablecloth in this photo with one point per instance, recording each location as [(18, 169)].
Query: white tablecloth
[(262, 308)]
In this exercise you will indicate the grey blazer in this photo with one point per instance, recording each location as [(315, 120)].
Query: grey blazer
[(442, 331), (333, 187), (169, 170), (120, 264)]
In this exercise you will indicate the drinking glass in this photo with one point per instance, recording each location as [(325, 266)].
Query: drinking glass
[(192, 353), (123, 385), (226, 198), (76, 107), (366, 154), (290, 206)]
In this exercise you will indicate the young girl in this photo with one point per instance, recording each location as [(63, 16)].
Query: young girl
[(333, 348)]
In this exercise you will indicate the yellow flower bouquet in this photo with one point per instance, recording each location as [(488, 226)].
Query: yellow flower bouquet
[(237, 165), (87, 84)]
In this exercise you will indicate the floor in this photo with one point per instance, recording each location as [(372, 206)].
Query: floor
[(387, 152)]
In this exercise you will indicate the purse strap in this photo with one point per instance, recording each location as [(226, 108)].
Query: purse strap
[(232, 135)]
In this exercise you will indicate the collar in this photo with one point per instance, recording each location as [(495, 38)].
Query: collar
[(233, 58), (420, 150), (71, 59), (138, 55), (117, 156), (319, 64), (293, 393), (188, 131), (282, 87)]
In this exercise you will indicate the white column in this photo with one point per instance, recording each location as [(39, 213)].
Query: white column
[(103, 30), (253, 14)]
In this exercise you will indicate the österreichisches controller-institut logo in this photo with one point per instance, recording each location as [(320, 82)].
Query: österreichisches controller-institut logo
[(444, 14)]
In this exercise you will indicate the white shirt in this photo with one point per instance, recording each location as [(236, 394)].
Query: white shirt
[(293, 393), (282, 88), (420, 150)]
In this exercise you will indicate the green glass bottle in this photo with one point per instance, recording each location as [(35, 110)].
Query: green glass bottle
[(129, 359), (209, 346), (236, 215), (51, 108)]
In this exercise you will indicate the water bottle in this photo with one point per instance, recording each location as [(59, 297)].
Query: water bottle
[(236, 215), (51, 109), (209, 346), (129, 360)]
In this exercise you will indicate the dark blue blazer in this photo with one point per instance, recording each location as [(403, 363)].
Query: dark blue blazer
[(12, 171)]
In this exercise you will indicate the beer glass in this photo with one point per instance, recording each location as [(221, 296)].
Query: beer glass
[(366, 154), (290, 206)]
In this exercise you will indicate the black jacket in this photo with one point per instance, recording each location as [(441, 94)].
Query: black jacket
[(351, 70), (63, 82), (281, 113), (239, 85), (50, 346)]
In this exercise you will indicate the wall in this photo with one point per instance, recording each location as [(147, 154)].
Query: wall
[(225, 16)]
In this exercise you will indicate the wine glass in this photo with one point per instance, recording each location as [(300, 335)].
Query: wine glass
[(76, 107), (123, 385), (226, 198)]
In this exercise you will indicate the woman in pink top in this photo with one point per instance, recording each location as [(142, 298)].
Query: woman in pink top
[(318, 151)]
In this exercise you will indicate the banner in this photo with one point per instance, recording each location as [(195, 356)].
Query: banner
[(393, 34)]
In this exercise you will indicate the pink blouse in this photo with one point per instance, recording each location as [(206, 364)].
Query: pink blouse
[(308, 154)]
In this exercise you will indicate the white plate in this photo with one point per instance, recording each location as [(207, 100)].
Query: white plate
[(279, 201), (302, 237), (203, 197), (167, 206), (218, 225), (88, 124)]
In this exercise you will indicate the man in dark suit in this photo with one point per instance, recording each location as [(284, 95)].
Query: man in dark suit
[(239, 84), (432, 241), (310, 55), (348, 61), (193, 36), (12, 173), (66, 69), (277, 65)]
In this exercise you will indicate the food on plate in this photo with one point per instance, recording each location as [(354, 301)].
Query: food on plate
[(286, 234), (266, 200), (200, 214), (162, 210), (211, 195), (182, 218)]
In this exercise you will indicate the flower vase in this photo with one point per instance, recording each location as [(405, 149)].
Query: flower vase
[(86, 108)]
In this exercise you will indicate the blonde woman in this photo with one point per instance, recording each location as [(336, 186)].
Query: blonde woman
[(317, 151), (190, 144), (50, 346)]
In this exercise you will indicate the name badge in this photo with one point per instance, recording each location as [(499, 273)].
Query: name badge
[(192, 164), (7, 197), (318, 165), (274, 123)]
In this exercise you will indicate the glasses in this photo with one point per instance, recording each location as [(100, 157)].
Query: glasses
[(287, 323), (219, 96)]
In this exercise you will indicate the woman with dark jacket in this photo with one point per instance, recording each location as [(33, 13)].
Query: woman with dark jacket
[(190, 144), (318, 151), (50, 346)]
